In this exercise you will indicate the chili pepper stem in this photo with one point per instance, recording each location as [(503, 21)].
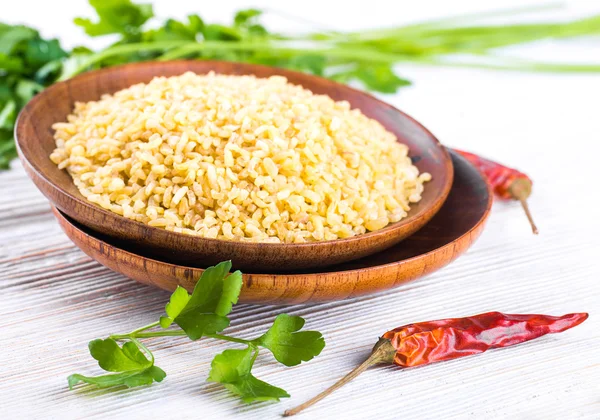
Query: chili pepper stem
[(534, 228), (520, 190), (383, 352)]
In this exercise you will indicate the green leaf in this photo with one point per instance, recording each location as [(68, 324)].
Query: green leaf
[(48, 71), (40, 51), (288, 344), (72, 64), (11, 64), (314, 64), (116, 17), (205, 310), (8, 149), (246, 16), (247, 21), (133, 368), (195, 23), (8, 114), (5, 90), (129, 379), (12, 36), (380, 78), (216, 32), (232, 368), (27, 89), (179, 299), (213, 291), (252, 389), (174, 30), (113, 358), (344, 76)]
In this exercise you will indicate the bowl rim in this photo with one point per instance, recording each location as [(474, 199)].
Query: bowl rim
[(434, 206)]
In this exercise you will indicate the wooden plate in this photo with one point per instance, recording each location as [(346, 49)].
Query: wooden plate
[(35, 141), (444, 238)]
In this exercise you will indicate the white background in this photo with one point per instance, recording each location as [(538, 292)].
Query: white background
[(54, 299)]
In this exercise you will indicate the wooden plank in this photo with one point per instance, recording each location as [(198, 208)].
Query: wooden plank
[(54, 299)]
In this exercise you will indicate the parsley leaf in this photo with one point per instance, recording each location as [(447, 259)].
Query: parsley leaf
[(246, 17), (116, 17), (232, 369), (205, 310), (248, 22), (70, 64), (11, 37), (113, 358), (174, 30), (8, 149), (288, 344), (216, 32), (11, 64), (8, 115), (23, 54), (133, 368), (48, 71), (40, 51), (129, 379), (179, 299), (380, 78), (376, 77), (26, 89)]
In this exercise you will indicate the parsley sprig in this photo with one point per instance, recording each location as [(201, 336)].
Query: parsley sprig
[(203, 314)]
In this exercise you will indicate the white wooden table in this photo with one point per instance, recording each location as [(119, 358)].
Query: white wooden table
[(54, 299)]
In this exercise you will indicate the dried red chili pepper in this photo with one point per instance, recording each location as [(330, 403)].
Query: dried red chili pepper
[(507, 183), (435, 341)]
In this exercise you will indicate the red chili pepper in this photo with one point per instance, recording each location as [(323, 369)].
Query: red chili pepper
[(435, 341), (506, 182)]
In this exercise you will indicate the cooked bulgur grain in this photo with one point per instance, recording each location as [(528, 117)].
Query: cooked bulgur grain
[(238, 158)]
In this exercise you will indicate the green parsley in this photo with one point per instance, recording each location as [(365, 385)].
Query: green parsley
[(133, 367), (205, 310), (29, 63), (204, 314), (232, 369), (288, 344)]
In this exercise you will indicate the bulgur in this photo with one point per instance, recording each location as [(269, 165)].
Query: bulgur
[(238, 158)]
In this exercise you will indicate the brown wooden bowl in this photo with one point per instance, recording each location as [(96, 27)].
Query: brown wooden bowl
[(444, 238), (35, 141)]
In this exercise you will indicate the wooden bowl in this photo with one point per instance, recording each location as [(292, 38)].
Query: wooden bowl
[(35, 141), (444, 238)]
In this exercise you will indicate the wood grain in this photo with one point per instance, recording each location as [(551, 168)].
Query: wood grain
[(35, 141), (448, 235)]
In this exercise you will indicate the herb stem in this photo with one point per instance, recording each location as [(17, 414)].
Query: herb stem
[(286, 48), (231, 339), (135, 333), (254, 356), (449, 22), (148, 335), (181, 49), (122, 49), (177, 333), (143, 347), (147, 327), (355, 51), (511, 64)]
